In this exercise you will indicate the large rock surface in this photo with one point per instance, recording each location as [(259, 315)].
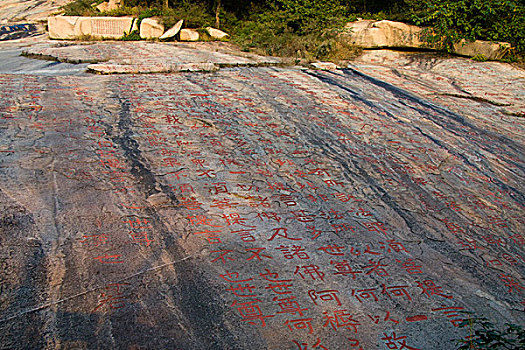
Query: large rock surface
[(145, 57), (381, 34), (259, 207), (21, 11), (372, 34)]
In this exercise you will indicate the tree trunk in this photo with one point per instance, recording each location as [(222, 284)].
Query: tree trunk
[(217, 12), (166, 5)]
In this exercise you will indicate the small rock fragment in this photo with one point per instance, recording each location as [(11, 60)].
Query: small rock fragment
[(324, 65), (158, 199)]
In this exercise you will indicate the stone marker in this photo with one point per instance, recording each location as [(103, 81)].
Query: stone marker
[(71, 27), (170, 33), (151, 28), (189, 35), (490, 50), (217, 34)]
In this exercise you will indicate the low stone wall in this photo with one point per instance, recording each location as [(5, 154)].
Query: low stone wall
[(72, 27)]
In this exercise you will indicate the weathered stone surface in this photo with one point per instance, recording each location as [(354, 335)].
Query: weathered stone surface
[(450, 81), (160, 67), (217, 34), (148, 57), (23, 11), (109, 6), (103, 6), (259, 207), (17, 31), (63, 27), (325, 65), (189, 35), (380, 34), (390, 34), (151, 28), (170, 33), (489, 50), (71, 27)]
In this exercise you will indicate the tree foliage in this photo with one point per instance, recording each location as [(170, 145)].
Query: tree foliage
[(484, 335), (453, 20)]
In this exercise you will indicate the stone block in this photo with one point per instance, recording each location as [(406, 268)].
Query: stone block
[(217, 34), (189, 35), (151, 28), (62, 27), (71, 27), (170, 33)]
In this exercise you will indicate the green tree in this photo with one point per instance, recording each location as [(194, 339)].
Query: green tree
[(453, 20)]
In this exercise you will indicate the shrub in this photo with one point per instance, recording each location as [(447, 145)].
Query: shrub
[(483, 334)]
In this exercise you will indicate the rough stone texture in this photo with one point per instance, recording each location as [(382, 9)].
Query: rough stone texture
[(11, 61), (217, 34), (189, 35), (170, 33), (324, 65), (71, 27), (379, 34), (389, 34), (451, 81), (17, 31), (109, 6), (151, 28), (21, 11), (143, 57), (487, 49), (260, 207)]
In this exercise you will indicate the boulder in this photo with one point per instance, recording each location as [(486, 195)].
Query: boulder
[(102, 7), (189, 35), (71, 27), (109, 6), (151, 28), (371, 34), (488, 49), (379, 34), (170, 33), (217, 34)]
